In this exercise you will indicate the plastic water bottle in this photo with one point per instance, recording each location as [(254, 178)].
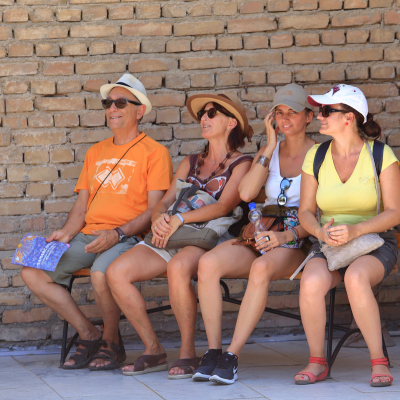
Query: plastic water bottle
[(255, 216)]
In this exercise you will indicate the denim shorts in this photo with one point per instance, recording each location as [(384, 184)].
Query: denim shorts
[(386, 254)]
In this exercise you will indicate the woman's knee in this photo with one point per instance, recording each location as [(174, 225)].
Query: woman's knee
[(117, 273), (356, 279), (260, 272), (179, 272), (313, 284), (208, 268)]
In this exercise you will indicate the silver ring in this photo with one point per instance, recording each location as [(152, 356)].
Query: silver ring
[(267, 238)]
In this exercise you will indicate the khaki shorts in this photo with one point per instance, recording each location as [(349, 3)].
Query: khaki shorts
[(75, 257)]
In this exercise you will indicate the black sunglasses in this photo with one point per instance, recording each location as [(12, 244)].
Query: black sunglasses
[(285, 185), (119, 103), (326, 111), (212, 112)]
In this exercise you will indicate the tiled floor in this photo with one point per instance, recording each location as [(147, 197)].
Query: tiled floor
[(266, 371)]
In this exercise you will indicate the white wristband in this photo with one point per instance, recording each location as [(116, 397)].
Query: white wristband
[(181, 218)]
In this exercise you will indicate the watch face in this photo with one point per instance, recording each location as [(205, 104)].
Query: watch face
[(122, 238)]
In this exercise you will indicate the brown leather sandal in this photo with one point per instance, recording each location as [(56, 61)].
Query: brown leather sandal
[(116, 355), (188, 365), (83, 355), (148, 363)]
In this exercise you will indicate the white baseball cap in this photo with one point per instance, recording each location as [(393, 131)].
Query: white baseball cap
[(129, 82), (343, 94)]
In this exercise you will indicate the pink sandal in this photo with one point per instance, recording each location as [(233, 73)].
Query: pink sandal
[(314, 378), (380, 361)]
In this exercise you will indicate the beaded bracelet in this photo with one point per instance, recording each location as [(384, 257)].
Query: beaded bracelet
[(295, 235), (298, 235)]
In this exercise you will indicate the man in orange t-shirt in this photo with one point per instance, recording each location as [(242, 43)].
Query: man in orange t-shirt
[(122, 179)]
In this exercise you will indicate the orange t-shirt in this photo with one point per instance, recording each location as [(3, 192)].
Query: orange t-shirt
[(123, 196)]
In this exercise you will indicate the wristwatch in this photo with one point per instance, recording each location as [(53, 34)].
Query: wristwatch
[(121, 235)]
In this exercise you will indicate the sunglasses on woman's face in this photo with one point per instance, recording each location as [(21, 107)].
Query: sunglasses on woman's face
[(285, 185), (211, 113), (119, 103), (326, 111)]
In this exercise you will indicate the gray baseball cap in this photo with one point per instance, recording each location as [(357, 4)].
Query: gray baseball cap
[(293, 96)]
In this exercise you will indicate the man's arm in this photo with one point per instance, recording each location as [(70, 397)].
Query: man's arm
[(75, 221), (109, 237)]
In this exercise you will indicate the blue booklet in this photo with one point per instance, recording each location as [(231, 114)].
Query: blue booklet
[(33, 251)]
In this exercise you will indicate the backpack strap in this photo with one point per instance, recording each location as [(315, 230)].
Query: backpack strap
[(319, 157), (377, 153)]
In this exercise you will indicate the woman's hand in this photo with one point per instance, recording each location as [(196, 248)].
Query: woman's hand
[(268, 240), (272, 134), (161, 228), (324, 234), (174, 223), (343, 233)]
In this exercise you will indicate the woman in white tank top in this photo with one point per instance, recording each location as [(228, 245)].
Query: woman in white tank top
[(277, 165)]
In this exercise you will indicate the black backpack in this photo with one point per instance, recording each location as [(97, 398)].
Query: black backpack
[(377, 153)]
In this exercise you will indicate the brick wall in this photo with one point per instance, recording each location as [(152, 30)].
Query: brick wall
[(55, 54)]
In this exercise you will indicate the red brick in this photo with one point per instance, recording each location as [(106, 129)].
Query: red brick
[(252, 7), (380, 3), (278, 5), (19, 105), (306, 75), (279, 77), (199, 28), (15, 87), (23, 334), (307, 57), (281, 40), (228, 79), (357, 36), (131, 47), (380, 90), (204, 43), (173, 11), (40, 33), (20, 50), (93, 85), (204, 62), (122, 12), (167, 99), (14, 122), (352, 19), (147, 29), (36, 314), (256, 95), (392, 54), (333, 37), (101, 48), (178, 46), (68, 15), (5, 140), (299, 5), (199, 10), (63, 189), (44, 138), (9, 190), (168, 116), (65, 87), (333, 74), (11, 155), (15, 15), (94, 14), (393, 106), (11, 69), (177, 81), (254, 77), (319, 21), (43, 87), (148, 11), (89, 31), (89, 136), (36, 157), (5, 32), (20, 207), (382, 36), (249, 25), (61, 156), (355, 55), (153, 46), (41, 120), (100, 67), (202, 80), (392, 18), (34, 174), (230, 43), (255, 42), (3, 52), (225, 8), (151, 82), (93, 103), (330, 4), (92, 118), (383, 72), (33, 223), (58, 206), (352, 4), (74, 49), (47, 50), (151, 65), (307, 39), (60, 104), (257, 59), (68, 120), (12, 298), (41, 15), (58, 68)]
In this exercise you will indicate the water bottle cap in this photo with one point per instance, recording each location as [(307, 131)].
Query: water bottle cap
[(252, 206)]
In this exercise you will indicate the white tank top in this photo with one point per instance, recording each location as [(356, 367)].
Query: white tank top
[(273, 184)]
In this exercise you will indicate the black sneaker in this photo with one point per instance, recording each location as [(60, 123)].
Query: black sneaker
[(207, 365), (226, 370)]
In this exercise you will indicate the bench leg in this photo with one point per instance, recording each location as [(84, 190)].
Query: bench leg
[(332, 293)]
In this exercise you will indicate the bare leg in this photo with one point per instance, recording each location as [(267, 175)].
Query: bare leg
[(315, 283), (109, 310), (273, 265), (360, 277), (136, 265), (60, 301), (181, 269), (223, 260)]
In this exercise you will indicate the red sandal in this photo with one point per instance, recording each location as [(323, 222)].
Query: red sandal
[(380, 361), (314, 378)]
